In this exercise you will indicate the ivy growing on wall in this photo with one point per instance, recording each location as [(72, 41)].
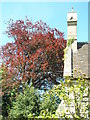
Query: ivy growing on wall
[(70, 41)]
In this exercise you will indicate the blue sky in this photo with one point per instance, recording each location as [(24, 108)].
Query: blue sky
[(53, 13)]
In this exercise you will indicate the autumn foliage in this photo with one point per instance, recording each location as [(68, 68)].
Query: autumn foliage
[(35, 55)]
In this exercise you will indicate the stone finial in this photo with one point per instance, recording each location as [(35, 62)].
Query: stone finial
[(72, 9)]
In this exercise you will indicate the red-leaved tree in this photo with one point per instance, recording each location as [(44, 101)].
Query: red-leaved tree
[(35, 55)]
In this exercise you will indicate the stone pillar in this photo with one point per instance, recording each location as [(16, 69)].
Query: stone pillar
[(67, 62)]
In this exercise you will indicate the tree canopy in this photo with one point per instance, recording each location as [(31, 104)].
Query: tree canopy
[(35, 55)]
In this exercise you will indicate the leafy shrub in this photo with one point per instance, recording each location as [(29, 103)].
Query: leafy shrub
[(73, 92), (49, 104), (26, 103)]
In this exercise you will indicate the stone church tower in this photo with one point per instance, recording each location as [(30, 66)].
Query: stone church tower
[(76, 55), (76, 63), (71, 34)]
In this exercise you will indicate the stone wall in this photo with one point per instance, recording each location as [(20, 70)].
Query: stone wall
[(67, 62), (80, 61), (69, 109), (89, 59)]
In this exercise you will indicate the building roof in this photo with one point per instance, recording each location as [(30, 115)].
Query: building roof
[(80, 60), (80, 44)]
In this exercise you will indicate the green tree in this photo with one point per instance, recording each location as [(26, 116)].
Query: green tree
[(26, 103)]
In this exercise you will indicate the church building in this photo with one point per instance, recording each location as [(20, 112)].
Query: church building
[(76, 63)]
